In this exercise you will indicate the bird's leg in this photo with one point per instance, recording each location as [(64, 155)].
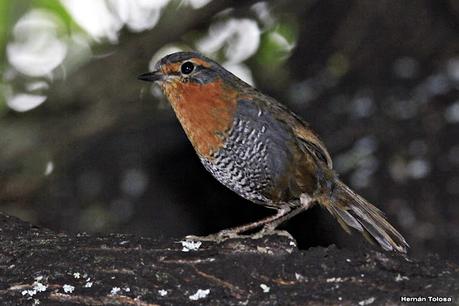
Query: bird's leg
[(306, 202), (235, 231)]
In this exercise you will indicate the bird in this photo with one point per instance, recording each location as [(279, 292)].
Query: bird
[(258, 148)]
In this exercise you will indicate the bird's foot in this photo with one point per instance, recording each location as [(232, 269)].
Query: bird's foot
[(217, 237), (269, 230), (230, 234)]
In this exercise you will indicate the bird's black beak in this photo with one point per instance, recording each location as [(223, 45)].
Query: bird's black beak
[(151, 76)]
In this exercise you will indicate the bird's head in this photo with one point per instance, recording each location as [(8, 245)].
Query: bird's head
[(182, 68), (202, 93)]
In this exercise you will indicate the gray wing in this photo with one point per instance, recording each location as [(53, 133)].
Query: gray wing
[(286, 167)]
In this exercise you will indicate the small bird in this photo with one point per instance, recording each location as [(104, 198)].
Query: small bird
[(258, 148)]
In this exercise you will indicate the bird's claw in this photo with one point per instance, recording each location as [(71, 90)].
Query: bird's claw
[(217, 237), (269, 230)]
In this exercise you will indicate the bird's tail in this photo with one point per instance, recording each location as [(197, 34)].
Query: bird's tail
[(351, 210)]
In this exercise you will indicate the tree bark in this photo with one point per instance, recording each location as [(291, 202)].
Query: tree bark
[(40, 266)]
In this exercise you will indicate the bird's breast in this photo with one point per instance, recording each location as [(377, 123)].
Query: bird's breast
[(205, 111)]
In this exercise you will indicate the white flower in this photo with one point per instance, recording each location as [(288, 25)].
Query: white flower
[(200, 294), (265, 288), (189, 245), (39, 287), (68, 288), (115, 290), (88, 285), (367, 301)]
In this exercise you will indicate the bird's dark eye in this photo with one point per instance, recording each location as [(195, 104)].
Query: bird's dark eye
[(187, 67)]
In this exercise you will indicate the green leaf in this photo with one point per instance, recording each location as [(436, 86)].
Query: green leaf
[(55, 7), (5, 8), (277, 44)]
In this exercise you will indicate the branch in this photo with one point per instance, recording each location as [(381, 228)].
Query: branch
[(39, 265)]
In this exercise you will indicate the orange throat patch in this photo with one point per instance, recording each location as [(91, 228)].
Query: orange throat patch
[(205, 111)]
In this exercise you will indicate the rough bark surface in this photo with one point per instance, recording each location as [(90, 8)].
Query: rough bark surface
[(40, 266)]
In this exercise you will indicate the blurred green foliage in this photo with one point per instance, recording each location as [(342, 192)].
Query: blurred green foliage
[(56, 8), (277, 43), (10, 12), (4, 30), (4, 27)]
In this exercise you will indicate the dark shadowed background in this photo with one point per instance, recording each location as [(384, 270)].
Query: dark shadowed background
[(84, 146)]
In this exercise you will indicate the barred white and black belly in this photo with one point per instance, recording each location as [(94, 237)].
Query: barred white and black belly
[(253, 155), (242, 163)]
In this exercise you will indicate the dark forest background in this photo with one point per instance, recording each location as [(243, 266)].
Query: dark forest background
[(85, 146)]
